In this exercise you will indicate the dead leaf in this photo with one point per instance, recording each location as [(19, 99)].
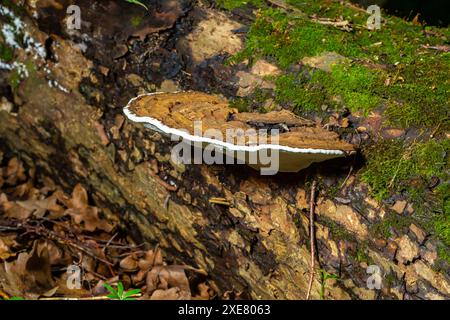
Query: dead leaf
[(6, 243), (40, 207), (15, 171), (204, 292), (82, 213), (15, 211), (89, 219), (166, 277), (129, 263), (56, 256), (79, 198), (170, 294), (30, 275), (151, 259)]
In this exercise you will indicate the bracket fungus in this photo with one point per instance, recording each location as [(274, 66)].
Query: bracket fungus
[(208, 121)]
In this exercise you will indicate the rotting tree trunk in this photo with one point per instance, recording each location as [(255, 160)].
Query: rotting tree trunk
[(258, 245)]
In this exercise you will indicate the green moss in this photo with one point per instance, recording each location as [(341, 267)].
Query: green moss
[(392, 221), (441, 221), (444, 256), (232, 4), (350, 86), (136, 21), (337, 232), (418, 94), (392, 166), (390, 278), (295, 91), (14, 79), (422, 97), (254, 101), (362, 255), (6, 53)]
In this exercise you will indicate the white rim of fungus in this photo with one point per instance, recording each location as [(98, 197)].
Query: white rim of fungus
[(185, 135)]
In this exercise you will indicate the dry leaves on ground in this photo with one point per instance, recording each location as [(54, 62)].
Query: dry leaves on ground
[(44, 231)]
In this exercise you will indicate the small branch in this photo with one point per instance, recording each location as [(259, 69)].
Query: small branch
[(45, 233), (221, 201), (311, 237), (346, 178)]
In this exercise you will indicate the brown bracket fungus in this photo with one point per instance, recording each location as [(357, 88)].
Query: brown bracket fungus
[(296, 142)]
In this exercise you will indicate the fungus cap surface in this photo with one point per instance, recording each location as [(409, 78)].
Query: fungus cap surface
[(299, 142)]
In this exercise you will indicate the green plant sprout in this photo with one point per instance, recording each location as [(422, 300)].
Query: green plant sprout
[(120, 294), (139, 3), (324, 277)]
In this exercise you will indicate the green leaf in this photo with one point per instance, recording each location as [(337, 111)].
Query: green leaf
[(131, 293), (120, 290), (112, 296), (110, 289), (139, 3)]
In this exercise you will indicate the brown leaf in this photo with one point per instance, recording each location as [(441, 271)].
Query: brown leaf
[(151, 259), (89, 219), (204, 292), (166, 277), (40, 207), (15, 171), (101, 133), (24, 189), (81, 212), (30, 275), (79, 198), (56, 256), (129, 263), (170, 294), (6, 243), (13, 210)]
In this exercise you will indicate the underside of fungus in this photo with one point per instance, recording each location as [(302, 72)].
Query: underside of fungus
[(299, 142)]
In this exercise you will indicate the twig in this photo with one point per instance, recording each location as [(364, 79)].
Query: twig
[(286, 7), (221, 201), (42, 231), (4, 295), (109, 242), (346, 178), (443, 48), (311, 237)]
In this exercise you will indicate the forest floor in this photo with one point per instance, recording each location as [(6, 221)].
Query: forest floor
[(60, 246)]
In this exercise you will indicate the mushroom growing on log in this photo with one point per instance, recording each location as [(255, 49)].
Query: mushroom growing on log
[(295, 142)]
